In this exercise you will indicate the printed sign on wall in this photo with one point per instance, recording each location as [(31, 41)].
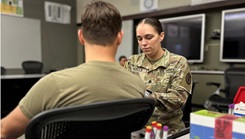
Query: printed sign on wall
[(148, 5), (12, 7), (58, 13)]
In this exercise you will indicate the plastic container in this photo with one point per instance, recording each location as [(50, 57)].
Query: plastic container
[(231, 109), (159, 130), (148, 131), (165, 132)]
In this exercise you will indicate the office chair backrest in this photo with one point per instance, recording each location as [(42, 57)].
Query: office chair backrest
[(109, 120), (32, 67), (187, 107), (3, 71), (234, 78)]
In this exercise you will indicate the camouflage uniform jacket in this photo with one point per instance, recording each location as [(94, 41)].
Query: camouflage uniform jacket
[(169, 79)]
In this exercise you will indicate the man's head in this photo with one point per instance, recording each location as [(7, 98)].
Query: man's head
[(122, 60), (101, 24)]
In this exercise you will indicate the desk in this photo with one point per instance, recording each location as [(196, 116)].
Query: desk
[(187, 136), (14, 88)]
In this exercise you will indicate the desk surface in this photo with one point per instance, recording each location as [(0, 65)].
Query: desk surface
[(21, 76), (187, 136)]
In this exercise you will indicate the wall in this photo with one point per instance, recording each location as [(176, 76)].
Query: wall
[(132, 8), (19, 37), (211, 54), (59, 41), (211, 61)]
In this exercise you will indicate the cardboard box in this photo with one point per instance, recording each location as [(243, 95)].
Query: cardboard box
[(213, 125), (239, 109)]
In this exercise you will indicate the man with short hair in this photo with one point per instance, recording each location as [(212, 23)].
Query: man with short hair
[(100, 78), (122, 60)]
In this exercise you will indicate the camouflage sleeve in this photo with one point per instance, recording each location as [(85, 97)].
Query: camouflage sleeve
[(128, 63), (179, 88)]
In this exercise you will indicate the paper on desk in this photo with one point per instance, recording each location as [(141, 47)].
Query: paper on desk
[(57, 13)]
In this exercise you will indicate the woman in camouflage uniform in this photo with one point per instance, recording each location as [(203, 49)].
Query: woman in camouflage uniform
[(167, 75)]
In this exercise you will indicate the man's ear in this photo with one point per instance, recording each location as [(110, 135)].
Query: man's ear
[(80, 36), (120, 37)]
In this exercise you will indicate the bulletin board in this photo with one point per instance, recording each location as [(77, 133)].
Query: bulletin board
[(20, 40)]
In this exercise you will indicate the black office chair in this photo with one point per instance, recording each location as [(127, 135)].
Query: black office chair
[(32, 67), (234, 78), (109, 120), (3, 70), (187, 107)]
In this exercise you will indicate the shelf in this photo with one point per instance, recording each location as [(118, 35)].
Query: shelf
[(22, 76), (207, 72)]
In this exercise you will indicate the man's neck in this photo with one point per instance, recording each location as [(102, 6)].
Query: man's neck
[(100, 53)]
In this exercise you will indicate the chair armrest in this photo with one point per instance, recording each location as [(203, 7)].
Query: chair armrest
[(213, 83), (220, 90)]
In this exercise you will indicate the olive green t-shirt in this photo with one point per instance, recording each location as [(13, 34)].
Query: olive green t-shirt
[(93, 81)]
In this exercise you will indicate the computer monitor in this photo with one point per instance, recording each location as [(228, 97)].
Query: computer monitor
[(232, 41), (184, 35)]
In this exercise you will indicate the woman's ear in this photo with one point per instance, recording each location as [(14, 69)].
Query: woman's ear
[(80, 36), (162, 36)]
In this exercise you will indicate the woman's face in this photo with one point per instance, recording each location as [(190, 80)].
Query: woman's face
[(148, 39)]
